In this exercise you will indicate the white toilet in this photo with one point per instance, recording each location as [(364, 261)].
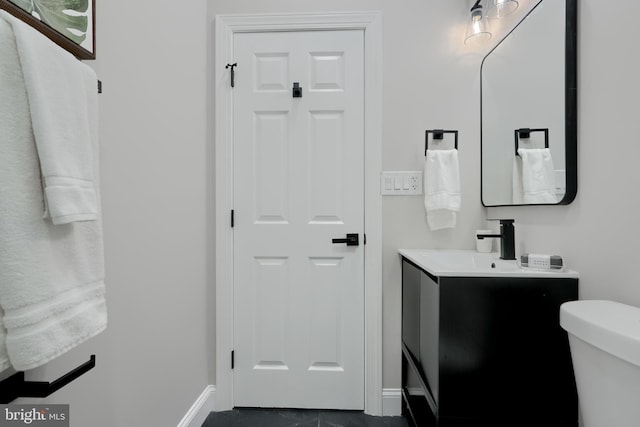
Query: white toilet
[(604, 337)]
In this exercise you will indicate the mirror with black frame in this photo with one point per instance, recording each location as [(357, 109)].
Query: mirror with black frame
[(528, 110)]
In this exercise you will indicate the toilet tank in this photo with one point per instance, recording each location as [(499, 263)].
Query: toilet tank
[(604, 337), (610, 326)]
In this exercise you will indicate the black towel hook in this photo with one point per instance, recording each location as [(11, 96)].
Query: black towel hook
[(232, 66)]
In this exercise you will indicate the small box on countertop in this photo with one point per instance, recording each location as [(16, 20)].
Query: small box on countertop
[(541, 262)]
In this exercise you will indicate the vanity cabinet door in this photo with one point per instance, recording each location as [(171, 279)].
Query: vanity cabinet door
[(420, 322), (411, 308), (486, 351), (503, 354), (430, 332)]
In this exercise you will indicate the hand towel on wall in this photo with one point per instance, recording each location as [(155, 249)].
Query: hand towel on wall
[(516, 181), (441, 188), (60, 121), (51, 276), (538, 176)]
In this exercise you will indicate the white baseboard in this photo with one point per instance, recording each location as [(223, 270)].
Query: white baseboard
[(391, 402), (200, 409), (197, 414)]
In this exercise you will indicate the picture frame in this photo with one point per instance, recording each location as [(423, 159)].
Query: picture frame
[(71, 24)]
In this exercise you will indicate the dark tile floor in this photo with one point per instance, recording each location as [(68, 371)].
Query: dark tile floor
[(247, 417)]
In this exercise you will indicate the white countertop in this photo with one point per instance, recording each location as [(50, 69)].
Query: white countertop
[(469, 263)]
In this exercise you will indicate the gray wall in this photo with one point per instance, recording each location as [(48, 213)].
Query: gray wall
[(152, 59), (598, 233), (154, 359), (157, 355)]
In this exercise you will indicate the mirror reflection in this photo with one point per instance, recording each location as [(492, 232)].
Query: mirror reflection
[(525, 113)]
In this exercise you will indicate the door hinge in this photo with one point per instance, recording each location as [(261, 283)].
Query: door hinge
[(232, 359), (364, 238), (232, 218)]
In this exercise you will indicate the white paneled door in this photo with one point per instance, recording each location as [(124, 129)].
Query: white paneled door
[(298, 184)]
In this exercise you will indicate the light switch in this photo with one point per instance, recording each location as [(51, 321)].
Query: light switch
[(403, 183), (388, 183), (397, 182)]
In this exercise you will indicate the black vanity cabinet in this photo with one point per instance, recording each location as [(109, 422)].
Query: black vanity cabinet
[(486, 351)]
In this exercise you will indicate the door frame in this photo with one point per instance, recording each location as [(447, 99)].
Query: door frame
[(225, 28)]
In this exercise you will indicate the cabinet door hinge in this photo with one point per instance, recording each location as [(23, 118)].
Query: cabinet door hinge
[(232, 359)]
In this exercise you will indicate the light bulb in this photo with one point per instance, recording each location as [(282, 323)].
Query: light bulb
[(501, 8), (477, 28)]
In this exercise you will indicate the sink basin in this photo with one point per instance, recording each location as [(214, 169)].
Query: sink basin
[(469, 263)]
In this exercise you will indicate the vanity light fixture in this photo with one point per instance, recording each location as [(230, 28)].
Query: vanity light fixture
[(501, 8), (477, 28)]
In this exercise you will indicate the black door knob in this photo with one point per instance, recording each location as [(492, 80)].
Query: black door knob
[(351, 240)]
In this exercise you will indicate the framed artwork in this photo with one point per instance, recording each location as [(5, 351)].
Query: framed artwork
[(69, 23)]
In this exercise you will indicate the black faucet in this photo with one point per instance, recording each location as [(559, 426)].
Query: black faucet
[(507, 239)]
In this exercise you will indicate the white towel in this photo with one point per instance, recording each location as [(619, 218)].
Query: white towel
[(57, 85), (537, 175), (516, 181), (4, 356), (441, 188), (51, 276)]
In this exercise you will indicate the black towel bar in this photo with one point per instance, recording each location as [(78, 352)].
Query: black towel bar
[(15, 386), (525, 133), (438, 134)]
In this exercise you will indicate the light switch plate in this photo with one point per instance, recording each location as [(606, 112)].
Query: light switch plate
[(401, 183)]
